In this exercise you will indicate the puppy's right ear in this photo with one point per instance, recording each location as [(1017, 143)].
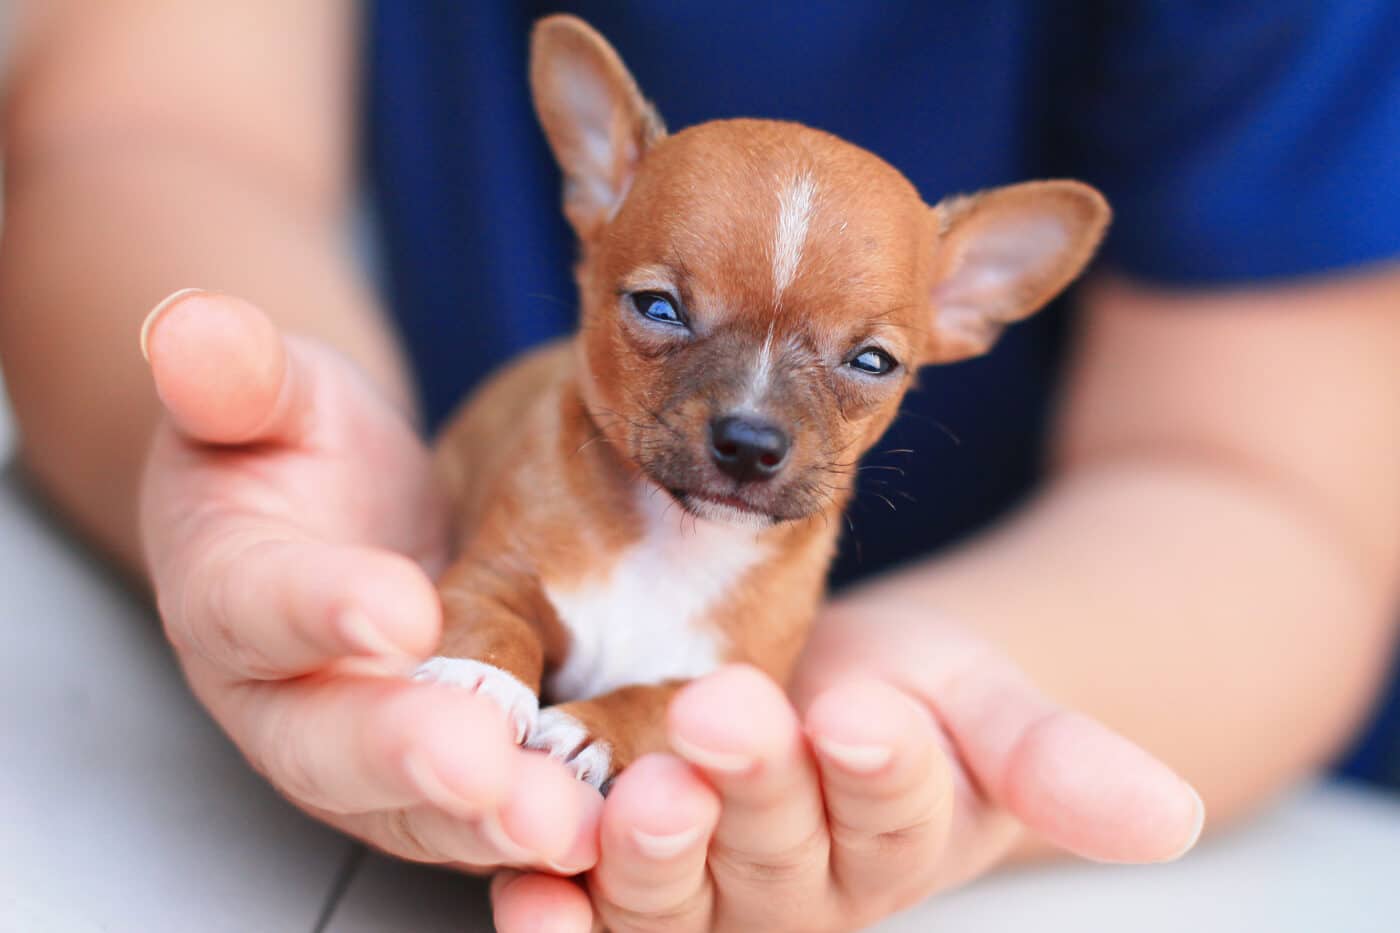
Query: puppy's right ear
[(595, 118)]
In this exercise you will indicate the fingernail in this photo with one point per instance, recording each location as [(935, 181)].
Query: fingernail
[(155, 314), (433, 788), (724, 762), (1199, 827), (403, 666), (362, 635), (666, 846), (571, 863), (862, 759), (564, 870)]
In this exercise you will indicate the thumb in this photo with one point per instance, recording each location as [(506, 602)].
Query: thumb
[(223, 371), (1078, 784)]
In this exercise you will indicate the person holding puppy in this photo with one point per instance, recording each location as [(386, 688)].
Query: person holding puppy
[(1196, 546)]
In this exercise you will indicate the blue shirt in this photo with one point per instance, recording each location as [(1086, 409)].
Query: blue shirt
[(1237, 141)]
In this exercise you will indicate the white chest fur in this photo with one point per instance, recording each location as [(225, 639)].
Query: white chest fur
[(640, 621)]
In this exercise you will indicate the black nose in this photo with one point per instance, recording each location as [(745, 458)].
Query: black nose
[(747, 448)]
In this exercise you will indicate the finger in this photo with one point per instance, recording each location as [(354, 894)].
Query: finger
[(250, 599), (551, 814), (223, 371), (888, 787), (770, 846), (1081, 786), (654, 837), (354, 744), (434, 833), (532, 903)]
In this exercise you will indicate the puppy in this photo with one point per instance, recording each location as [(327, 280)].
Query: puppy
[(662, 493)]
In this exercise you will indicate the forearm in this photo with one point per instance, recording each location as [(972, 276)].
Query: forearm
[(93, 239), (1193, 610)]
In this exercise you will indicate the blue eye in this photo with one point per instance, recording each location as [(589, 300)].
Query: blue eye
[(874, 361), (658, 307)]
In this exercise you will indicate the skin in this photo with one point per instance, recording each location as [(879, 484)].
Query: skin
[(1253, 432)]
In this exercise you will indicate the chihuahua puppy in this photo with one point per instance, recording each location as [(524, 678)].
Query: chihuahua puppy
[(662, 493)]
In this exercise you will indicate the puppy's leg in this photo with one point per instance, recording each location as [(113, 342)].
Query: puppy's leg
[(598, 737), (489, 642)]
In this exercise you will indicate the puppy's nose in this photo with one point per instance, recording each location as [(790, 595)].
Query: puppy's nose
[(748, 448)]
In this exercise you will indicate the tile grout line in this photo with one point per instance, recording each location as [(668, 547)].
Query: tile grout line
[(339, 886)]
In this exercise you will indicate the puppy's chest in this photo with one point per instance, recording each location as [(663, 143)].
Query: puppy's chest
[(647, 617)]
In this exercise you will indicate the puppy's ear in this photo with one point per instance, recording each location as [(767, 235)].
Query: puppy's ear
[(597, 122), (1002, 254)]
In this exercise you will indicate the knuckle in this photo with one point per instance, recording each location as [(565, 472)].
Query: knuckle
[(884, 843), (209, 609), (281, 755), (648, 897), (787, 865), (289, 768), (688, 913), (401, 835)]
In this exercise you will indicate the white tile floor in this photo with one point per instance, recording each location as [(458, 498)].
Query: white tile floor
[(123, 809), (390, 895)]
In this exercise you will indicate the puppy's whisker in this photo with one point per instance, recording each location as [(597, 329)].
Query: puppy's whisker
[(554, 299), (588, 443), (649, 604), (920, 416), (656, 416), (885, 499)]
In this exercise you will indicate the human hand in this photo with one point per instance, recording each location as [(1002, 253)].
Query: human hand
[(288, 516), (919, 759)]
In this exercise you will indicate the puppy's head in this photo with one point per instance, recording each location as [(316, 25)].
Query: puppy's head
[(756, 296)]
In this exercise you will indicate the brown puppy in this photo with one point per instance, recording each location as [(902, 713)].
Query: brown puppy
[(662, 493)]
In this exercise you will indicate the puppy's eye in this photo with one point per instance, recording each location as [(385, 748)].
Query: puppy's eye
[(874, 361), (659, 307)]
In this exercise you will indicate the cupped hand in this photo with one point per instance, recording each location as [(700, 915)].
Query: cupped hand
[(912, 759), (290, 524)]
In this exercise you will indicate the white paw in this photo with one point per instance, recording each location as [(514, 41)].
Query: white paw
[(564, 738), (519, 701)]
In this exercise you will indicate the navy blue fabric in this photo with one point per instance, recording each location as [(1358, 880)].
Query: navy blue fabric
[(1238, 141)]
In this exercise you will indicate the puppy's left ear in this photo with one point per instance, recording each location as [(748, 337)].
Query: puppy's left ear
[(595, 118), (1002, 254)]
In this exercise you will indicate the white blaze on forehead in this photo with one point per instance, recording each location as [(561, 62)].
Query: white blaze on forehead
[(794, 215), (762, 370), (795, 202), (765, 356)]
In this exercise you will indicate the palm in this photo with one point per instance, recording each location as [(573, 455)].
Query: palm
[(290, 525)]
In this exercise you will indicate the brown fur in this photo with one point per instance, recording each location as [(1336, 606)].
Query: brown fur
[(544, 461)]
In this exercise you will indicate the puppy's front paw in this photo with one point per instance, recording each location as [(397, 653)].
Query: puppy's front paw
[(566, 739), (519, 701)]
